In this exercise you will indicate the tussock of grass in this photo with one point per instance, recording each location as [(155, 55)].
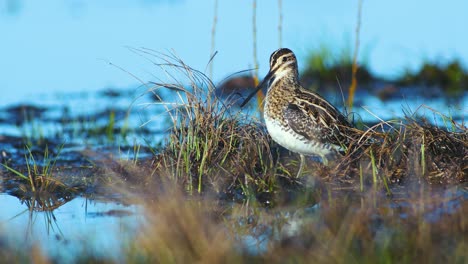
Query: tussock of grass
[(443, 154), (413, 148), (39, 188), (212, 147)]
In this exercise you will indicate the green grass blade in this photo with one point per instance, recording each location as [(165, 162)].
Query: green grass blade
[(19, 174)]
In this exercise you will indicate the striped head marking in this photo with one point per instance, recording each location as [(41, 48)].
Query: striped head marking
[(283, 63), (282, 58)]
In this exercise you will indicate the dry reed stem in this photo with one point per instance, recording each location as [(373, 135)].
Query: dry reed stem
[(353, 86)]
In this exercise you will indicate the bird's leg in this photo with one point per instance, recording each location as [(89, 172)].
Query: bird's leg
[(301, 166)]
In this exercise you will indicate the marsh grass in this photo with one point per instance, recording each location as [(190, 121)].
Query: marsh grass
[(211, 147), (40, 189), (438, 155)]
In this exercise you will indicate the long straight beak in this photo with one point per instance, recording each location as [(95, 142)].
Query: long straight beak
[(260, 86)]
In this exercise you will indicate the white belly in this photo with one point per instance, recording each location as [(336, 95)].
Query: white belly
[(295, 142)]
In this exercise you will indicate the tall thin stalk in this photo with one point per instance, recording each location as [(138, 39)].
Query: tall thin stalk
[(213, 36), (254, 34), (352, 87), (260, 95), (280, 23)]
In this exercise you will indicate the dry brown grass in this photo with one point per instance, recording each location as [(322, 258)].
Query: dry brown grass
[(414, 148), (181, 230)]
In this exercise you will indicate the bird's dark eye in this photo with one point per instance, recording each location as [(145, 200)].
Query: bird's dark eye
[(285, 59)]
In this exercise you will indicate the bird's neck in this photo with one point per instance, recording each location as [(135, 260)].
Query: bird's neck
[(284, 80)]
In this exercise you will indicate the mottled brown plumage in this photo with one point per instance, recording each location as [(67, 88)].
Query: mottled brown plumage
[(300, 120)]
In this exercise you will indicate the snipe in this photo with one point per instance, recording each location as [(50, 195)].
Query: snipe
[(297, 119)]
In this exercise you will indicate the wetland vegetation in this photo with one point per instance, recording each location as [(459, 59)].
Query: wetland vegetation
[(176, 172), (215, 188)]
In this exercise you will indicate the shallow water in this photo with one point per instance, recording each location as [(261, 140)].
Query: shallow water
[(93, 227)]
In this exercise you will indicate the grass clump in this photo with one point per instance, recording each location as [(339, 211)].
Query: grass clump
[(211, 146), (413, 148), (39, 188)]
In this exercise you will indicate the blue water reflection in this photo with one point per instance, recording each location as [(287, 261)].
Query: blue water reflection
[(99, 228)]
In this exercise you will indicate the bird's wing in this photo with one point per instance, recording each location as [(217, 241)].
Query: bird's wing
[(316, 119)]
